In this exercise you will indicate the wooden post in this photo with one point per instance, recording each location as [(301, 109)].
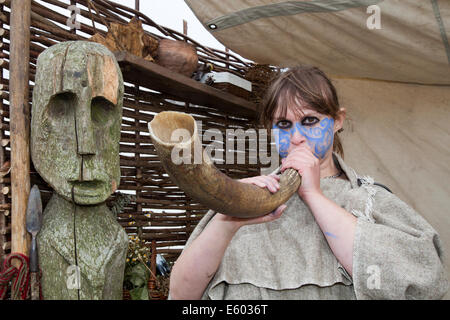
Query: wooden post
[(19, 122), (137, 155), (74, 30), (2, 158), (3, 198), (227, 65), (185, 27), (153, 257), (136, 5), (188, 211)]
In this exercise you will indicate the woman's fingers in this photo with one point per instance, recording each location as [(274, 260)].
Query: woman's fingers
[(274, 214), (304, 151), (269, 182), (268, 217), (278, 211), (300, 158)]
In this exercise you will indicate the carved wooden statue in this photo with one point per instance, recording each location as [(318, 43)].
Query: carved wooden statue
[(75, 133)]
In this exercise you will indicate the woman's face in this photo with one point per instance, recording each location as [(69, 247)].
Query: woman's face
[(303, 125)]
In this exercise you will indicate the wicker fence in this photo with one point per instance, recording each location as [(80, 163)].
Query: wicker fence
[(5, 181), (158, 209)]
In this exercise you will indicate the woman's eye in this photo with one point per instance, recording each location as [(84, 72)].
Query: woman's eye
[(309, 121), (284, 124)]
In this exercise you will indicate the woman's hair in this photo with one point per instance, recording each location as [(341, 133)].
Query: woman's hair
[(305, 85)]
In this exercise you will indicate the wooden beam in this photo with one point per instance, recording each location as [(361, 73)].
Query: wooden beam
[(156, 77), (20, 122)]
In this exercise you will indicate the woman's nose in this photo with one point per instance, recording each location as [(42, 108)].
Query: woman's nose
[(297, 138)]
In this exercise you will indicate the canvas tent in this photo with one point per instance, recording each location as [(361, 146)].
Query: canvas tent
[(390, 62)]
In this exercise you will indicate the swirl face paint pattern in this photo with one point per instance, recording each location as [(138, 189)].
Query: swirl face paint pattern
[(319, 137)]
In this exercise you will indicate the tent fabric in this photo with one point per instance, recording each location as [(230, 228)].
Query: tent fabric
[(411, 45), (394, 82), (399, 135)]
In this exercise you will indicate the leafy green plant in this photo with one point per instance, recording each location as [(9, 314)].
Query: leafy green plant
[(136, 278)]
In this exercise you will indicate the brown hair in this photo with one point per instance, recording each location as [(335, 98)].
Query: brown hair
[(307, 85)]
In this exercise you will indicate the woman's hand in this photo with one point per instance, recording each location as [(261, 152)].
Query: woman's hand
[(302, 159), (270, 182)]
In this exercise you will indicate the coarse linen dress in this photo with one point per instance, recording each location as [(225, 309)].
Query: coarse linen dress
[(396, 253)]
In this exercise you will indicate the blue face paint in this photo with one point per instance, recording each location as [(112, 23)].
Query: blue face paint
[(330, 235), (318, 136), (283, 139)]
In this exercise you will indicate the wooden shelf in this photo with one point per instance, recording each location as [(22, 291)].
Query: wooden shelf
[(159, 78)]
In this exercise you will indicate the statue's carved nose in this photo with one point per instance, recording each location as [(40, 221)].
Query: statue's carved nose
[(85, 129)]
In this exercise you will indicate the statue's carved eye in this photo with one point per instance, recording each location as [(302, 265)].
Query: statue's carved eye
[(102, 110), (61, 105)]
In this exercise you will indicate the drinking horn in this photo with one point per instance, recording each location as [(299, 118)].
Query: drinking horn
[(202, 181)]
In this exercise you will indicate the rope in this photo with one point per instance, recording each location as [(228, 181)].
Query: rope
[(19, 278)]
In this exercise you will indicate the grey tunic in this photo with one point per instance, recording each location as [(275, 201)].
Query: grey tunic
[(396, 254)]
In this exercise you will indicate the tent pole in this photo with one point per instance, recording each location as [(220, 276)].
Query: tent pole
[(20, 123)]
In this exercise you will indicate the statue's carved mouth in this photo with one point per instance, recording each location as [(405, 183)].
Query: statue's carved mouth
[(88, 188)]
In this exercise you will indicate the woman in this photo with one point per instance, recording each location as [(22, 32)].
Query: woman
[(340, 237)]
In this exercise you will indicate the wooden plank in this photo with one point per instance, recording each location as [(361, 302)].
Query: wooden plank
[(156, 77)]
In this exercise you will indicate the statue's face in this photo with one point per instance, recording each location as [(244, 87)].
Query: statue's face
[(76, 118)]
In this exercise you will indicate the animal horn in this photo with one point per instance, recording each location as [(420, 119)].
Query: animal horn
[(203, 181)]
